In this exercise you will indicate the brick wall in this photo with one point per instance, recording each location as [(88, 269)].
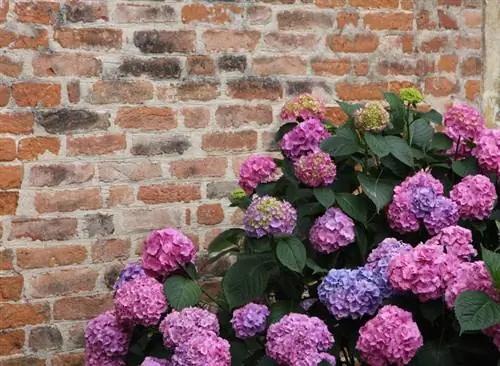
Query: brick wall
[(119, 117)]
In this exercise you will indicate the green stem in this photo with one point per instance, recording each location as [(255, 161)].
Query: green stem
[(408, 123)]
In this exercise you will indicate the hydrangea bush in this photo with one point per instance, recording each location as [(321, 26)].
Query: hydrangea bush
[(373, 243)]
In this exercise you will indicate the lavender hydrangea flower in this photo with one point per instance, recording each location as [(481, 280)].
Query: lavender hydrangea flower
[(202, 349), (153, 361), (267, 216), (331, 231), (250, 320), (129, 273), (304, 139), (424, 201), (445, 213), (351, 293), (315, 169)]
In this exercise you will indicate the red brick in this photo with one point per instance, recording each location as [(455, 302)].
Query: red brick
[(110, 250), (7, 38), (68, 201), (11, 288), (266, 66), (154, 41), (436, 44), (82, 307), (204, 167), (346, 19), (282, 41), (40, 12), (396, 86), (143, 13), (23, 361), (298, 19), (329, 3), (471, 42), (200, 65), (360, 43), (259, 14), (8, 203), (7, 149), (11, 342), (4, 9), (210, 214), (18, 315), (389, 21), (406, 67), (361, 68), (239, 116), (472, 89), (89, 38), (31, 147), (96, 145), (33, 94), (70, 359), (36, 39), (374, 3), (66, 64), (347, 91), (140, 220), (121, 91), (43, 229), (230, 40), (450, 2), (11, 176), (85, 11), (217, 13), (51, 175), (471, 66), (230, 141), (29, 258), (146, 118), (251, 88), (448, 63), (120, 196), (129, 171), (10, 67), (4, 95), (198, 90), (74, 91), (169, 193), (62, 282), (6, 258), (331, 66), (446, 21), (196, 117), (472, 18), (336, 115), (424, 20), (440, 86), (16, 123)]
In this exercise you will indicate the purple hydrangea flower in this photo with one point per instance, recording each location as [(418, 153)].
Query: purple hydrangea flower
[(98, 359), (250, 320), (267, 216), (202, 349), (307, 303), (351, 293), (424, 200), (304, 139), (129, 273), (331, 231), (315, 169), (463, 124), (153, 361), (444, 214), (475, 196)]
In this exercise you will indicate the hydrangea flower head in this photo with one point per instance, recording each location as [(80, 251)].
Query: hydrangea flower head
[(315, 169), (400, 216), (390, 338), (351, 293), (179, 326), (99, 359), (475, 196), (153, 361), (140, 301), (302, 107), (267, 215), (487, 150), (257, 169), (298, 339), (331, 231), (411, 95), (129, 273), (445, 213), (250, 320), (165, 250), (202, 349), (464, 123), (456, 240), (304, 139), (373, 117)]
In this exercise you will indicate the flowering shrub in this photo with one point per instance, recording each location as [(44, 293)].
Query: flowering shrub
[(373, 243)]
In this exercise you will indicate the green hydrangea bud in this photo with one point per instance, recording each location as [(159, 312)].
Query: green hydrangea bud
[(237, 195), (411, 95), (373, 117)]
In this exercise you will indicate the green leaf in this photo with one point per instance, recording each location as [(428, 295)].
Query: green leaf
[(397, 113), (345, 142), (440, 142), (264, 189), (282, 308), (377, 144), (287, 127), (349, 109), (378, 190), (266, 361), (182, 292), (325, 196), (239, 352), (361, 240), (464, 167), (434, 354), (395, 166), (492, 261), (433, 116), (431, 310), (316, 269), (226, 239), (421, 133), (400, 149), (292, 253), (310, 209), (356, 206), (475, 310)]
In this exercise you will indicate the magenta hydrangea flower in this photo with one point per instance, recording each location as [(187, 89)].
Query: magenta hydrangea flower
[(487, 150), (202, 349), (419, 271), (469, 276), (267, 216), (399, 215), (153, 361), (315, 169), (179, 326), (129, 273), (257, 169), (463, 124), (391, 338), (304, 139), (475, 196), (140, 301), (165, 250), (331, 231), (106, 340), (298, 339), (302, 107), (494, 333), (456, 240), (250, 320), (445, 213)]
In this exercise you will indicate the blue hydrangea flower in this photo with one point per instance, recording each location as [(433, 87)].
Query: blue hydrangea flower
[(130, 272)]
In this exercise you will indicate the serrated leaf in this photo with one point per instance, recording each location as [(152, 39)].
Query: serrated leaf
[(287, 127), (349, 109), (433, 116), (395, 166), (267, 361), (475, 310), (356, 206), (378, 190), (345, 142), (492, 261), (265, 189), (282, 308), (182, 292), (291, 253), (434, 354), (226, 239), (397, 113), (325, 196), (421, 133), (400, 149), (377, 144), (464, 167), (440, 142)]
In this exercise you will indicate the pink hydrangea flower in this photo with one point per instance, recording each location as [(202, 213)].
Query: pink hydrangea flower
[(202, 349), (331, 231), (494, 333), (399, 215), (390, 338), (456, 240), (140, 301), (315, 169), (304, 139), (487, 150), (475, 196), (302, 107), (464, 123), (165, 250), (257, 169)]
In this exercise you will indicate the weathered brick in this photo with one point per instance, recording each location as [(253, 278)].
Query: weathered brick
[(159, 145), (336, 115), (298, 19), (198, 90), (283, 42), (66, 64), (203, 167), (6, 259), (70, 359), (230, 141), (359, 43), (329, 3), (259, 14), (30, 148), (69, 200), (471, 66), (219, 190), (210, 214), (8, 202), (89, 38), (140, 220), (436, 44), (472, 18), (96, 145), (374, 3), (28, 94), (120, 196), (62, 282), (97, 225), (231, 63), (45, 338), (43, 229), (200, 65), (73, 89), (169, 193), (156, 68), (121, 91), (82, 307), (11, 342), (470, 42), (472, 89), (196, 117), (331, 66), (266, 66), (33, 39), (239, 116), (255, 88), (11, 176), (23, 361), (347, 91), (165, 41), (7, 149), (294, 88), (85, 11), (389, 21), (424, 20), (28, 258), (143, 13), (4, 95), (4, 9), (446, 20), (217, 13), (347, 19), (10, 67), (230, 40), (72, 121), (60, 174), (440, 86), (129, 171), (11, 288), (40, 12), (448, 63), (110, 250), (17, 315)]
